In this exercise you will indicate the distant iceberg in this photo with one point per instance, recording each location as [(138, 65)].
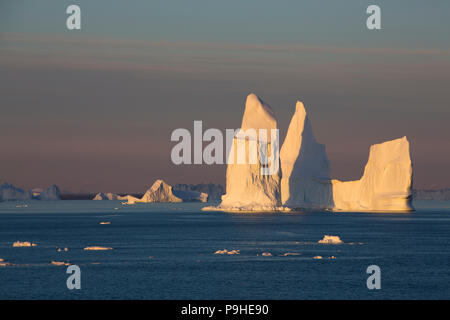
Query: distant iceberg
[(51, 193), (214, 192), (190, 196), (9, 192), (108, 196), (158, 192)]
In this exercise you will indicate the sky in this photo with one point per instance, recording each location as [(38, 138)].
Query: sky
[(93, 109)]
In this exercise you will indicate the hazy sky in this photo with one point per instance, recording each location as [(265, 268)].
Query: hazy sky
[(93, 109)]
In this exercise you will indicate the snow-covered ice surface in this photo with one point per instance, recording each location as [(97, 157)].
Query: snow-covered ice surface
[(181, 241)]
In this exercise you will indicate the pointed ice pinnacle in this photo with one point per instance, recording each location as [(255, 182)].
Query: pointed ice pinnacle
[(305, 169), (246, 187), (160, 192)]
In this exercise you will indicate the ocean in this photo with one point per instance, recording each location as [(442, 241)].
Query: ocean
[(167, 251)]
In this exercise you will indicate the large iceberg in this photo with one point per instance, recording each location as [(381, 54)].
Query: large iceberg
[(247, 188), (305, 169), (386, 184), (304, 181)]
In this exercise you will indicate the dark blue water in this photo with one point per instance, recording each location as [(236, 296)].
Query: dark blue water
[(167, 252)]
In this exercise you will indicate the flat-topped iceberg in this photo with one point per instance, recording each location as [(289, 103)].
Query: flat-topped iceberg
[(386, 184)]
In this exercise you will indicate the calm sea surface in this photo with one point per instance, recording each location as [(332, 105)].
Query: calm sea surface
[(166, 251)]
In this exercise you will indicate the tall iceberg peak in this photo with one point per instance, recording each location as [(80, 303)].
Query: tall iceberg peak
[(386, 184), (305, 167), (246, 187), (257, 114)]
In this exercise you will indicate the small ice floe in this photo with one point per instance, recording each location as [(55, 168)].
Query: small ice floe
[(331, 240), (65, 249), (290, 254), (60, 263), (93, 248), (332, 257), (317, 257), (105, 222), (3, 263), (21, 206), (266, 254), (116, 208), (225, 251), (24, 244)]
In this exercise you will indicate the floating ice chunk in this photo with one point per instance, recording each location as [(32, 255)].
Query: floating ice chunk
[(24, 244), (290, 254), (97, 248), (266, 254), (225, 251), (317, 257), (59, 263), (105, 222), (331, 240)]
